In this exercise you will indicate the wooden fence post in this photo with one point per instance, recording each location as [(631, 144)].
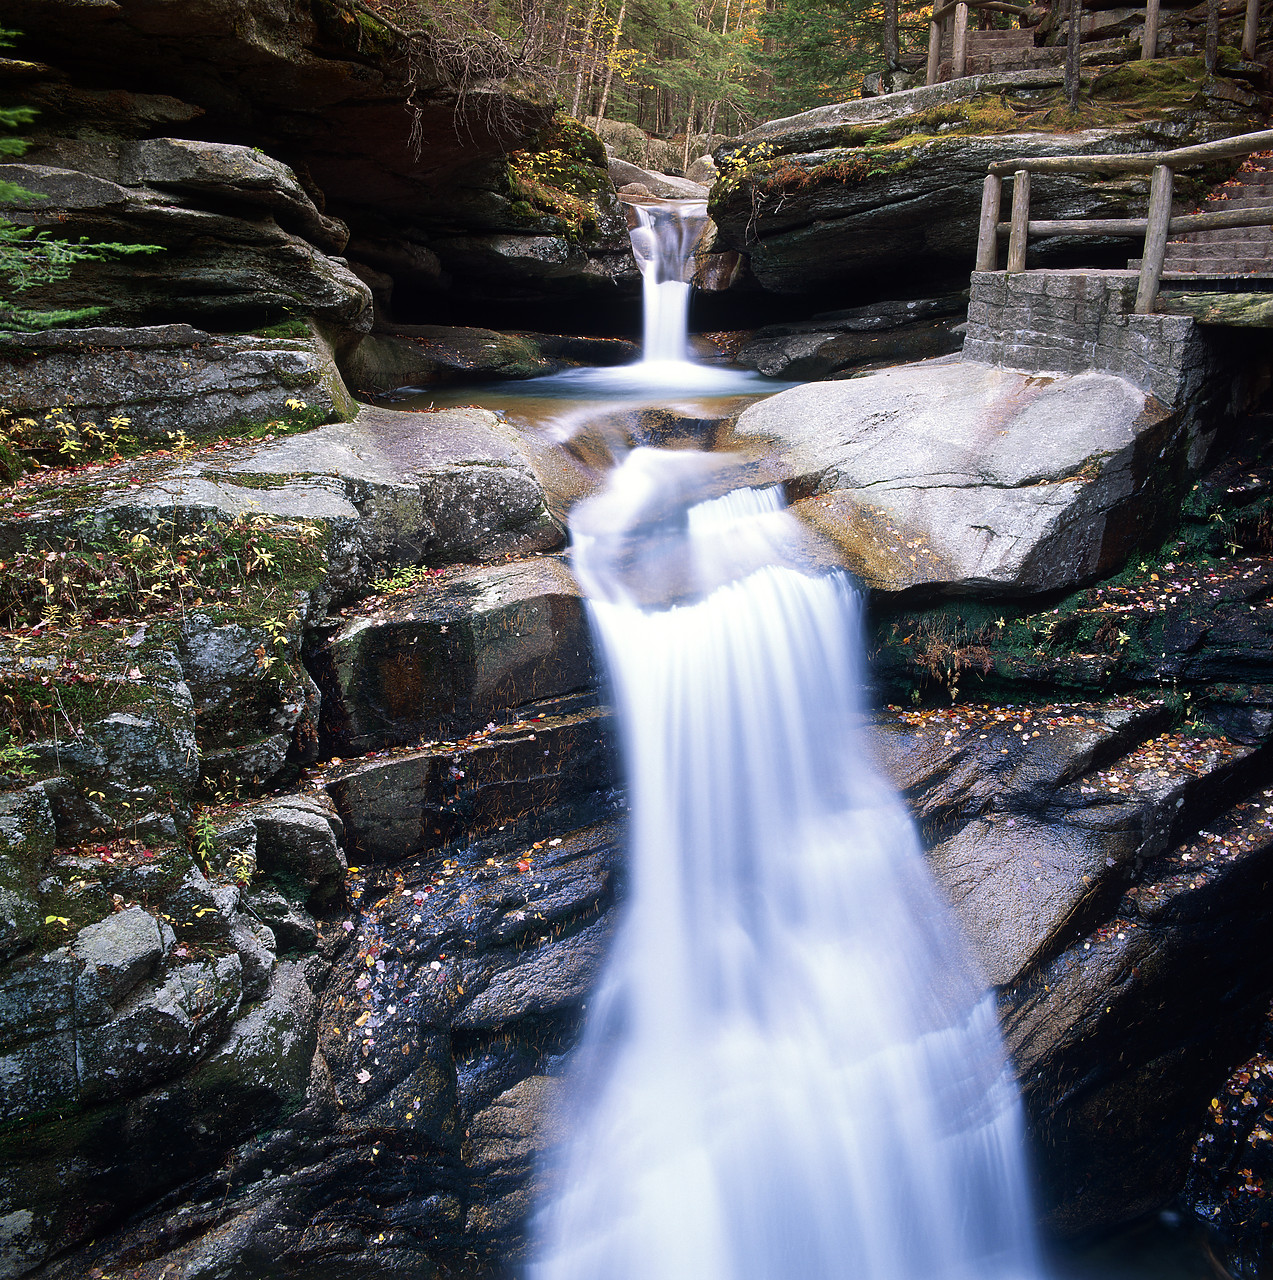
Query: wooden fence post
[(988, 228), (1155, 251), (1149, 39), (959, 43), (1020, 220), (934, 51), (1251, 31)]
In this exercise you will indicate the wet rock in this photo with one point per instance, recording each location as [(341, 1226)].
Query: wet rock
[(1231, 1161), (426, 354), (256, 707), (538, 982), (662, 185), (508, 1142), (956, 477), (419, 355), (892, 332), (170, 378), (469, 647), (27, 835), (1122, 1038), (218, 269), (1094, 853), (812, 352), (523, 779)]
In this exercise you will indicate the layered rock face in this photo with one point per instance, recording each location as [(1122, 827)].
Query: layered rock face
[(861, 195), (257, 142)]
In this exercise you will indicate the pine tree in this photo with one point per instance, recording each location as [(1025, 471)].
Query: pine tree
[(31, 258)]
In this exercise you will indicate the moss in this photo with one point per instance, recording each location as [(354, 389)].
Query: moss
[(249, 479), (287, 329), (1132, 93), (561, 172)]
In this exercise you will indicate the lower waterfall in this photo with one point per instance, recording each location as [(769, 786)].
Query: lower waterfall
[(791, 1069)]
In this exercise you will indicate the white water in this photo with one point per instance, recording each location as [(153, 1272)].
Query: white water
[(663, 243), (791, 1070)]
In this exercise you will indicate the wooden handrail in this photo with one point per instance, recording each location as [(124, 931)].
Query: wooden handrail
[(1156, 227), (1140, 162), (998, 6), (1256, 215)]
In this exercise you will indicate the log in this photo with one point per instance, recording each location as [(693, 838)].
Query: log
[(1146, 162), (1149, 38), (1155, 240), (1259, 215), (959, 43), (1251, 30), (1020, 220), (987, 241), (995, 6)]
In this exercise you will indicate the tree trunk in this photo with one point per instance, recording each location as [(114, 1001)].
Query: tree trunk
[(583, 57), (1073, 80), (614, 52), (689, 134), (1213, 35), (891, 49)]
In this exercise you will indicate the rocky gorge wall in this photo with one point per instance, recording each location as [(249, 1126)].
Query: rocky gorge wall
[(331, 1019), (310, 826)]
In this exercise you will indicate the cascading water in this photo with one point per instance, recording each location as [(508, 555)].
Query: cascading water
[(663, 243), (791, 1070)]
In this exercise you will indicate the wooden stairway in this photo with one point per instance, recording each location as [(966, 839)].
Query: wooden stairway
[(991, 52), (1232, 250)]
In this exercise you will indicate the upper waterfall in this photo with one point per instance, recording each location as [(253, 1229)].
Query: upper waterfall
[(663, 243)]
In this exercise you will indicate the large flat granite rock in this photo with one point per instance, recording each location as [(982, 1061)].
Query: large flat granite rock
[(957, 478)]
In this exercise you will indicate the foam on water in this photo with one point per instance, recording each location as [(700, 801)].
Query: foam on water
[(791, 1069)]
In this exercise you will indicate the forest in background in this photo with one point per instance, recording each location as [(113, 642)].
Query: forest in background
[(678, 66)]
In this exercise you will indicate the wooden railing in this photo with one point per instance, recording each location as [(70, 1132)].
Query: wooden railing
[(959, 36), (1156, 228)]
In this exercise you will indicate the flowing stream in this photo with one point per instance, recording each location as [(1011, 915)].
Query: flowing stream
[(791, 1070)]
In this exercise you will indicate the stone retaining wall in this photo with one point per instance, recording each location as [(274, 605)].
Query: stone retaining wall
[(1073, 321)]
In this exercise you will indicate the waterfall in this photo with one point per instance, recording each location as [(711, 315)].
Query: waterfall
[(791, 1070), (663, 243)]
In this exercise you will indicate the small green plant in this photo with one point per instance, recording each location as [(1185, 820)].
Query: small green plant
[(203, 841), (410, 575), (17, 759), (120, 574), (31, 258)]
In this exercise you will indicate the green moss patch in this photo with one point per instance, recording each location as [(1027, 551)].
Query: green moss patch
[(561, 172)]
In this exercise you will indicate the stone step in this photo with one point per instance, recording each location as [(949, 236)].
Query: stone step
[(441, 659), (1225, 235), (1235, 248), (511, 784), (1219, 267)]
